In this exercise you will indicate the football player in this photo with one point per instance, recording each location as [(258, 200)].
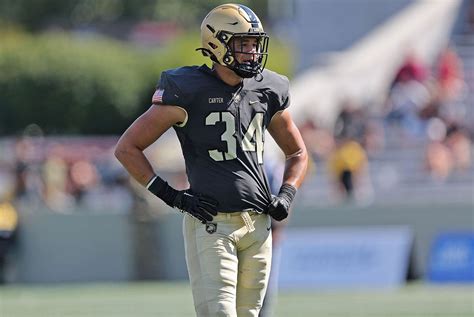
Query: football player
[(220, 115)]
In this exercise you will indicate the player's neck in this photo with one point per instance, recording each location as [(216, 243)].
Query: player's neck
[(227, 75)]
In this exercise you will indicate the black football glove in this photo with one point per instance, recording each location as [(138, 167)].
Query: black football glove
[(201, 207), (280, 205)]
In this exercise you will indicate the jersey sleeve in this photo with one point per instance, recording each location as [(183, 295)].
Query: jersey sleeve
[(168, 92), (279, 96)]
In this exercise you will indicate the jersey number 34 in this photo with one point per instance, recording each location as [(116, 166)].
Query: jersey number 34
[(252, 140)]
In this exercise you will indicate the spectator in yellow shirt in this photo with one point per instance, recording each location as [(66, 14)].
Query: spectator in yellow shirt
[(8, 225), (346, 164)]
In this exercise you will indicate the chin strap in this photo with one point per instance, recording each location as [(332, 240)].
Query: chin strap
[(245, 70), (259, 76)]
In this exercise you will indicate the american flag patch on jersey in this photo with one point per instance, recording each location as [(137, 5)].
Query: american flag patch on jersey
[(158, 96)]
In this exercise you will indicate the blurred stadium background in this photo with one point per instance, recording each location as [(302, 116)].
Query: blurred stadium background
[(382, 91)]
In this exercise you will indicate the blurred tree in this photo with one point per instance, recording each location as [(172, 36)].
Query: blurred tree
[(70, 14), (67, 83), (68, 86)]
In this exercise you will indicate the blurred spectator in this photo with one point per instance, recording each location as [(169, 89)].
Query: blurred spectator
[(348, 162), (8, 226), (373, 140), (21, 176), (459, 143), (449, 149), (347, 165), (55, 180), (113, 194), (408, 95), (412, 69), (449, 74), (83, 176), (439, 161), (448, 89), (351, 121), (66, 175), (319, 141), (28, 185)]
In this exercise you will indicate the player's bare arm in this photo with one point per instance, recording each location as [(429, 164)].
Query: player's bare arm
[(129, 151), (287, 136), (143, 132)]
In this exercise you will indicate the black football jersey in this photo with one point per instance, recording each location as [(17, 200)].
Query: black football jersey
[(222, 139)]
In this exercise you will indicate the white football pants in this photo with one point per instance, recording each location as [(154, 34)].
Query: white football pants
[(229, 268)]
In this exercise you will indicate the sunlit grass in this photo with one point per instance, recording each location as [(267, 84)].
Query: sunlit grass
[(174, 299)]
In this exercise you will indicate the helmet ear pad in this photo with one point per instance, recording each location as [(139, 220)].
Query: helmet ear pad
[(219, 52), (226, 39)]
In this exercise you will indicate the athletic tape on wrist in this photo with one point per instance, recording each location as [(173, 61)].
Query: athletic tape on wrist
[(287, 192), (162, 190), (151, 181)]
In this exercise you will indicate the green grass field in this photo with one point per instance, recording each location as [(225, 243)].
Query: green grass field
[(174, 299)]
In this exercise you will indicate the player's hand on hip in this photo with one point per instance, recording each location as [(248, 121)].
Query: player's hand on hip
[(278, 209), (280, 205), (200, 207)]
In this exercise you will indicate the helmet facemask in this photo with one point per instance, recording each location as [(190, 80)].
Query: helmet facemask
[(253, 65)]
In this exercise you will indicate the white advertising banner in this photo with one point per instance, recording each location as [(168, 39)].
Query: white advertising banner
[(345, 257)]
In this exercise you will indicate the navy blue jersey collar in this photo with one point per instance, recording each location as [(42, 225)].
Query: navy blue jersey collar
[(205, 69)]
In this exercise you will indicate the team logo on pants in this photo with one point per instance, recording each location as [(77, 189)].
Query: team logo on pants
[(211, 227)]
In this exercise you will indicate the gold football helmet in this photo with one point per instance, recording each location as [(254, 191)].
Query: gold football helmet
[(225, 23)]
